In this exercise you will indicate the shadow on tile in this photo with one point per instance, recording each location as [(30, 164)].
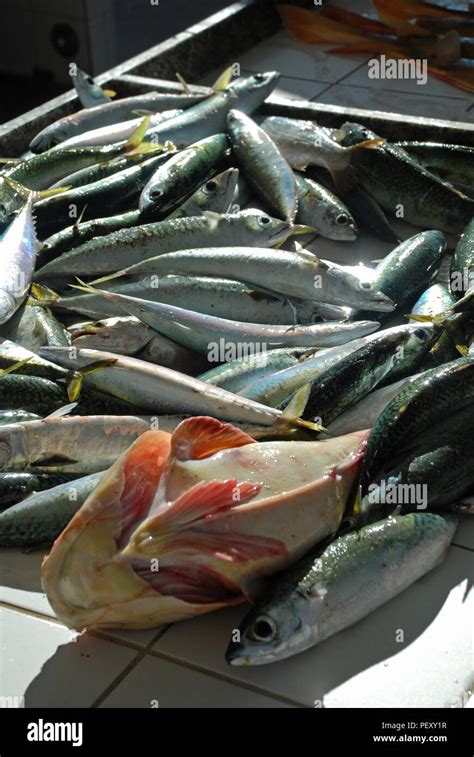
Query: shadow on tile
[(353, 652)]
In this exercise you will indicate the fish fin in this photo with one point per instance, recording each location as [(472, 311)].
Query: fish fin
[(298, 229), (189, 582), (223, 81), (200, 437), (183, 83), (61, 412), (296, 407), (75, 384), (80, 216), (44, 295), (230, 546), (26, 193), (15, 366), (298, 402), (109, 92), (143, 466), (136, 137), (108, 277), (201, 501)]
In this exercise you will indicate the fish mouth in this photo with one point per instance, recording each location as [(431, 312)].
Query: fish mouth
[(297, 229), (239, 654), (380, 302)]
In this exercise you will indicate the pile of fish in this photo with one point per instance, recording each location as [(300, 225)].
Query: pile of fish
[(196, 408)]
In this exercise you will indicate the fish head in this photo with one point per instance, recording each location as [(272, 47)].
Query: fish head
[(340, 224), (275, 629), (251, 91), (258, 225), (420, 339), (217, 193), (349, 290), (49, 137)]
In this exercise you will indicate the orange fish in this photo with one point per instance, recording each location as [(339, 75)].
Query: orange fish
[(186, 523)]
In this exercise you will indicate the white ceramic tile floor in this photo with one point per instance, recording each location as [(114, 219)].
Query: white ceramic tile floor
[(51, 666), (158, 683), (363, 665), (184, 666)]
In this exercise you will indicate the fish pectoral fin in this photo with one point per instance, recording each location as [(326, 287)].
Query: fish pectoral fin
[(143, 467), (200, 501), (230, 546), (192, 583), (200, 437)]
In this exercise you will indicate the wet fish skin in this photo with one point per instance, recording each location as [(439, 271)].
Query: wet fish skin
[(205, 333), (295, 274), (129, 247), (275, 389), (365, 210), (88, 91), (263, 165), (42, 516), (427, 200), (223, 298), (330, 590), (98, 171), (409, 268), (210, 116), (441, 390), (436, 300), (42, 396), (162, 390), (357, 374), (437, 463), (12, 353), (456, 162), (324, 211), (366, 412), (18, 251), (175, 181), (462, 264), (304, 143), (239, 374), (216, 195), (78, 445), (107, 115), (17, 416), (43, 171), (16, 486), (117, 193)]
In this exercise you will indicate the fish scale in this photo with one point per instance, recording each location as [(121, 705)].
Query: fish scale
[(333, 588)]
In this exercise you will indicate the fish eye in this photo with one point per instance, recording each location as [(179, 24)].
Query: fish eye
[(420, 334), (342, 219), (211, 186), (155, 194), (89, 80), (259, 77), (365, 285), (264, 220), (264, 629)]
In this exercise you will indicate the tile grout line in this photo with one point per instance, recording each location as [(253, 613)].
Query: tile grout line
[(127, 669), (461, 546), (404, 92), (227, 679)]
